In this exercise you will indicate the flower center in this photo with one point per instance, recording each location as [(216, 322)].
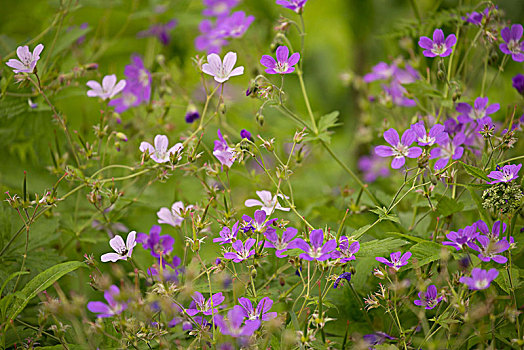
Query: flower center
[(400, 150), (315, 252), (439, 48), (427, 139), (282, 67), (481, 284)]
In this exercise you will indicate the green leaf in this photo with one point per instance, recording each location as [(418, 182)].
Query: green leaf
[(475, 172), (324, 124), (11, 276), (39, 284), (478, 201), (447, 206), (409, 237), (426, 252), (379, 247), (384, 215)]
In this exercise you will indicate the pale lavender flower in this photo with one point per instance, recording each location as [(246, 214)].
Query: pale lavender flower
[(267, 202), (318, 250), (172, 217), (283, 65), (373, 167), (112, 307), (27, 60), (222, 151), (242, 251), (396, 93), (435, 135), (462, 237), (281, 244), (295, 5), (512, 45), (159, 152), (480, 279), (261, 312), (200, 305), (518, 83), (508, 173), (235, 25), (210, 39), (490, 248), (138, 86), (222, 71), (397, 261), (384, 71), (450, 150), (123, 250), (399, 149), (479, 110), (428, 299), (233, 325), (227, 235), (218, 8), (159, 245), (439, 46), (108, 89), (344, 276), (346, 251), (160, 31)]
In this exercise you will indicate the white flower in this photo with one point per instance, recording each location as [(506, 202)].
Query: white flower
[(123, 251), (108, 89), (172, 217), (27, 62), (267, 202), (222, 71), (159, 153)]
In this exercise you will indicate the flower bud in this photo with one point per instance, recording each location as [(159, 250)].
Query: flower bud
[(260, 119)]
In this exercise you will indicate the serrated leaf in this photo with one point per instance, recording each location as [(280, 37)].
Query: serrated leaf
[(328, 121), (384, 215), (426, 252), (475, 172), (447, 206), (39, 284)]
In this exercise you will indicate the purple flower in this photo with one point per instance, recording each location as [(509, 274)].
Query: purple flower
[(26, 62), (518, 83), (111, 308), (170, 274), (450, 150), (159, 153), (267, 202), (138, 86), (210, 39), (161, 31), (260, 313), (377, 338), (234, 26), (384, 71), (396, 93), (209, 307), (476, 17), (479, 110), (172, 217), (462, 237), (281, 244), (397, 261), (429, 299), (123, 250), (512, 45), (192, 114), (227, 235), (218, 8), (224, 153), (295, 5), (233, 325), (480, 279), (222, 71), (108, 89), (490, 248), (244, 134), (344, 276), (373, 167), (435, 135), (509, 173), (258, 224), (346, 251), (318, 250), (496, 230), (158, 245), (242, 251), (439, 46), (399, 148), (283, 65)]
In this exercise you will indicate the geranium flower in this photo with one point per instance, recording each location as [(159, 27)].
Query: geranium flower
[(242, 251), (233, 325), (222, 71), (478, 111), (295, 5), (480, 279), (428, 299), (281, 244), (462, 237), (399, 149), (111, 308), (138, 86), (512, 45), (344, 276), (225, 154), (397, 261), (509, 173), (346, 251), (209, 307), (218, 8), (260, 313), (267, 202), (258, 224), (318, 250), (451, 150), (283, 65), (235, 25), (27, 60), (123, 250), (172, 216), (108, 89), (159, 152), (227, 235), (439, 46), (157, 244), (435, 135)]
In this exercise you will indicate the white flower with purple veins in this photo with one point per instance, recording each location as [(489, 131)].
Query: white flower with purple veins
[(108, 89), (267, 202), (222, 71), (123, 250), (435, 135), (281, 244), (480, 110), (508, 173), (346, 251), (450, 150), (399, 148), (242, 251), (27, 60), (318, 250), (159, 152), (225, 154), (172, 217)]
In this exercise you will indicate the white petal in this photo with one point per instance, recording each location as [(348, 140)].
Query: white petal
[(117, 243), (37, 50), (253, 203), (147, 147), (161, 143), (265, 196), (215, 63), (237, 71), (109, 82), (23, 53), (118, 87), (177, 207), (175, 149), (110, 257), (229, 62), (131, 240), (165, 217)]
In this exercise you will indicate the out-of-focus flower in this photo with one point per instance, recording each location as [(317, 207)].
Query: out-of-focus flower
[(108, 89), (235, 25), (480, 279), (346, 251), (111, 308), (344, 276), (160, 31), (512, 45), (450, 150), (222, 151), (318, 250), (210, 39), (233, 325), (242, 250), (397, 260), (244, 134), (518, 83), (399, 149), (439, 46), (479, 110), (428, 299), (138, 86), (284, 63), (261, 312), (123, 250), (26, 62), (222, 71), (192, 114), (218, 8), (476, 17), (295, 5), (159, 152), (172, 217), (157, 244), (396, 93), (377, 338), (509, 173), (267, 202), (209, 307), (373, 167)]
